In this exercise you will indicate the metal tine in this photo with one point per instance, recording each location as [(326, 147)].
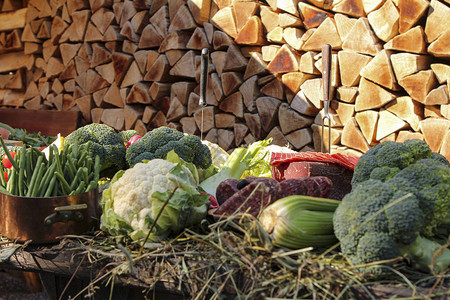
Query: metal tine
[(326, 83), (203, 83)]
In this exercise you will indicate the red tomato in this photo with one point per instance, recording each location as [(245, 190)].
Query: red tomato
[(6, 175), (5, 160)]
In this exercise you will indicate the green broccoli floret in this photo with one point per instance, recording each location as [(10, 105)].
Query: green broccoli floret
[(391, 157), (160, 141), (105, 143), (399, 214), (127, 134)]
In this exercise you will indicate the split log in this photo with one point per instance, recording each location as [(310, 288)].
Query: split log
[(352, 137), (198, 40), (441, 71), (250, 90), (114, 97), (225, 120), (379, 70), (175, 40), (353, 8), (294, 80), (205, 114), (437, 96), (411, 11), (287, 20), (233, 104), (252, 32), (385, 20), (307, 62), (253, 122), (12, 20), (13, 60), (100, 55), (139, 94), (98, 97), (312, 89), (276, 36), (216, 85), (318, 139), (301, 104), (269, 52), (234, 60), (290, 120), (256, 66), (84, 103), (388, 124), (294, 37), (408, 110), (182, 20), (326, 33), (221, 40), (367, 121), (159, 70), (412, 41), (268, 111), (350, 65), (418, 85), (345, 111), (189, 126), (131, 115), (286, 60), (231, 81), (158, 120), (344, 25), (114, 117), (200, 10), (441, 46), (185, 67), (437, 20), (362, 39), (269, 18), (149, 113), (225, 138), (312, 16), (300, 138), (106, 71), (404, 135), (240, 131), (371, 96), (405, 64), (224, 20)]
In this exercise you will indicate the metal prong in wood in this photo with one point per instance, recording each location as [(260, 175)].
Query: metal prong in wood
[(326, 83), (203, 76)]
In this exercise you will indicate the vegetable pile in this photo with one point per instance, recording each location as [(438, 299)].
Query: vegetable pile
[(29, 173), (32, 139)]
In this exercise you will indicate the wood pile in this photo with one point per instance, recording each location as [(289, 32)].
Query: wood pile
[(136, 65)]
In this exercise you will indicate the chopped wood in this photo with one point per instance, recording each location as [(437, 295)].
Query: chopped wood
[(12, 20), (106, 71), (371, 5), (112, 33), (388, 124), (230, 82), (149, 113), (69, 72), (44, 88), (233, 104), (44, 30), (276, 36), (114, 97), (140, 127), (176, 111), (249, 90), (345, 111), (288, 20), (301, 104), (139, 94), (335, 137), (404, 135), (294, 80), (131, 115), (445, 149), (200, 10), (96, 114), (312, 89), (54, 67), (216, 86), (98, 97), (156, 5), (225, 138), (185, 67), (344, 25), (352, 8), (225, 120), (441, 46), (114, 117), (33, 104), (445, 111), (274, 89), (346, 93), (221, 40), (240, 131), (418, 85), (132, 76), (405, 64), (75, 5), (411, 11), (100, 55), (209, 30), (256, 66), (253, 123), (350, 65), (10, 5), (139, 21), (268, 111), (269, 52), (84, 103), (437, 21), (102, 18), (412, 41), (32, 48), (312, 16), (189, 126), (431, 111), (234, 60), (193, 103), (28, 35), (437, 96), (81, 64), (294, 37), (224, 20), (252, 32), (159, 70), (362, 39), (384, 21), (198, 40), (13, 61), (158, 120), (150, 37), (128, 31), (441, 71), (175, 40), (371, 96), (300, 138), (160, 20), (291, 120), (181, 90), (352, 137), (68, 52), (182, 20), (205, 114), (121, 63), (379, 70), (78, 27), (334, 118), (243, 12), (269, 18), (286, 60), (367, 121)]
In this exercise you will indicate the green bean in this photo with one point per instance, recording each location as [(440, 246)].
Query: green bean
[(77, 179), (34, 176), (3, 190), (97, 168), (48, 176), (28, 167), (13, 162), (85, 175), (35, 188), (80, 188), (23, 157), (11, 181), (2, 178), (63, 183), (50, 187), (92, 185)]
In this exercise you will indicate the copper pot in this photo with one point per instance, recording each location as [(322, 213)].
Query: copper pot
[(43, 219)]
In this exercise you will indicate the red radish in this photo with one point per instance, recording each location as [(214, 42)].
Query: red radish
[(5, 161), (133, 140)]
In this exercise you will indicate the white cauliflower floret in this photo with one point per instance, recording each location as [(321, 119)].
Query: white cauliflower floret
[(132, 192)]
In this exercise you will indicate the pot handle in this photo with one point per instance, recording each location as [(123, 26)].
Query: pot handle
[(65, 214)]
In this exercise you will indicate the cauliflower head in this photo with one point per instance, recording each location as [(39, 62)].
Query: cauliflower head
[(137, 196)]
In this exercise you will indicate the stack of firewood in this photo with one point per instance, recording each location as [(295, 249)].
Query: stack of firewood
[(136, 65)]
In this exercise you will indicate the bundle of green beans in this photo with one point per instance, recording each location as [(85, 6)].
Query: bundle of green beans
[(71, 171)]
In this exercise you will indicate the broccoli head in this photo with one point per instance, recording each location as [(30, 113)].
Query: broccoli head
[(104, 142), (127, 134), (398, 210), (160, 141), (386, 159)]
